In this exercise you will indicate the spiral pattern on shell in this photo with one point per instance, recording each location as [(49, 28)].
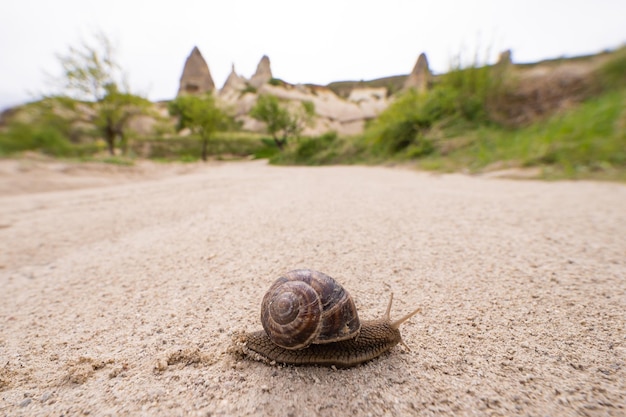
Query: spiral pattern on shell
[(305, 307)]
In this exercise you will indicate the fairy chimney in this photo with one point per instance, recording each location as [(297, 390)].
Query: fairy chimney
[(420, 76), (505, 58), (234, 81), (263, 73), (196, 78)]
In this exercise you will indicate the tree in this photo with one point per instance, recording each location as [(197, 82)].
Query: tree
[(282, 122), (114, 111), (201, 115), (91, 74)]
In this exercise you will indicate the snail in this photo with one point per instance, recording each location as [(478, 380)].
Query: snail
[(310, 319)]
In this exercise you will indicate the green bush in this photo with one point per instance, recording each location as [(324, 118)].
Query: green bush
[(470, 89), (222, 145), (322, 150), (590, 137), (276, 82), (248, 89), (403, 124), (441, 103), (309, 147), (398, 136), (460, 97), (587, 141), (613, 73), (268, 150), (46, 139)]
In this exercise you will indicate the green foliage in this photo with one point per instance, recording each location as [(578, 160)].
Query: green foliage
[(224, 145), (116, 160), (402, 125), (45, 138), (613, 73), (393, 85), (588, 141), (114, 111), (248, 89), (269, 149), (89, 69), (452, 126), (22, 137), (592, 137), (44, 126), (461, 96), (307, 148), (201, 115), (308, 108), (469, 91), (282, 122), (269, 111), (91, 73), (326, 149)]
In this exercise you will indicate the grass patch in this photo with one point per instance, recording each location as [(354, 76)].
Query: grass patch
[(46, 139), (327, 149), (588, 141), (612, 74), (456, 126), (224, 145), (472, 119), (118, 160)]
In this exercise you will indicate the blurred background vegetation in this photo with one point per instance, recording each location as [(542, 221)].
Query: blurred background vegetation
[(482, 117), (474, 118)]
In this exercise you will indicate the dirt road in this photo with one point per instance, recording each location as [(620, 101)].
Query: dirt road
[(122, 299)]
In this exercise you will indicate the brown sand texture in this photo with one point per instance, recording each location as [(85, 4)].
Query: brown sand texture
[(123, 288)]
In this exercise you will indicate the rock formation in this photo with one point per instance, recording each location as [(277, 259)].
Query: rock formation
[(234, 82), (196, 78), (505, 58), (420, 76), (263, 73)]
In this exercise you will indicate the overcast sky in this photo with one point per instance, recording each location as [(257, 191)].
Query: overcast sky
[(307, 41)]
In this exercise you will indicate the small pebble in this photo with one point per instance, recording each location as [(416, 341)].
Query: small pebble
[(161, 365)]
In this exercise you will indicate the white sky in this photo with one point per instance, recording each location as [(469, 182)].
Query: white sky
[(307, 41)]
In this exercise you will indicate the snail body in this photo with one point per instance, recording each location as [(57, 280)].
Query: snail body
[(300, 329)]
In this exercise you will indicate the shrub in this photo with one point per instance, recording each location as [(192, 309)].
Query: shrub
[(313, 151), (403, 123), (248, 89), (469, 91), (276, 82), (308, 147), (25, 137), (268, 151), (188, 148), (613, 73), (460, 97)]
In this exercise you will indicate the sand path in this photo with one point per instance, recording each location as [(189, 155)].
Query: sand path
[(122, 299)]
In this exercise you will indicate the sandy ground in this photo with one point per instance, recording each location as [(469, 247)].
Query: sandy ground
[(122, 289)]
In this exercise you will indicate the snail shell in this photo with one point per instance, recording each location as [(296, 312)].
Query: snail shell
[(291, 334), (306, 307)]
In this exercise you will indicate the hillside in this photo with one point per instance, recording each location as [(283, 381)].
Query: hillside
[(451, 124), (554, 119), (393, 84)]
